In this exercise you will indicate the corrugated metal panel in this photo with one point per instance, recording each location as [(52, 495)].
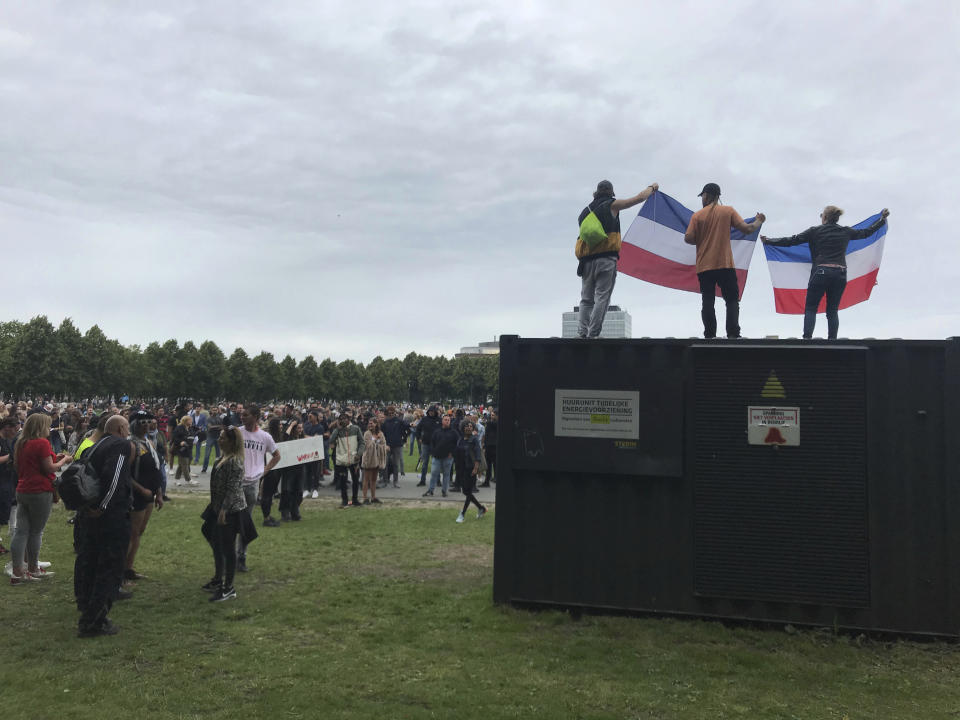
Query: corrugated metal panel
[(785, 524)]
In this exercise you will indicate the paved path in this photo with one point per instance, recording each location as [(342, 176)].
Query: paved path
[(408, 489)]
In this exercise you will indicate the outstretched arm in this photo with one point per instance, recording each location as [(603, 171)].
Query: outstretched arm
[(868, 231), (618, 205), (804, 237), (748, 228)]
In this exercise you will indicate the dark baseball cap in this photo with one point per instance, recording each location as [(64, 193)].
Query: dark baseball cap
[(710, 189), (604, 187)]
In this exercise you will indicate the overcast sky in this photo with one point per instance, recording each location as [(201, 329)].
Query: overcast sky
[(363, 178)]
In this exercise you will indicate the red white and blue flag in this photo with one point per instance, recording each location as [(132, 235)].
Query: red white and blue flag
[(653, 247), (790, 271)]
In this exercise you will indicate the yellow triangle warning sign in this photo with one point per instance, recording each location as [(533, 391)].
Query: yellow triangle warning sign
[(773, 388)]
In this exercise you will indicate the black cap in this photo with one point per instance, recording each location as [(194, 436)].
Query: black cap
[(710, 189), (142, 415), (604, 187)]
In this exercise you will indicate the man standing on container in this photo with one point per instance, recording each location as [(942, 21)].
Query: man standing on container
[(597, 265), (709, 230)]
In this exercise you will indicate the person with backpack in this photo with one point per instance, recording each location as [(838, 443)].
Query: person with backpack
[(104, 535), (598, 250)]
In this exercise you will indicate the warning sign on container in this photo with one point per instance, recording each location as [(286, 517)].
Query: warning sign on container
[(597, 413), (773, 425)]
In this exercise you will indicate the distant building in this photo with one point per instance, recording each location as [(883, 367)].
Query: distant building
[(484, 348), (616, 324)]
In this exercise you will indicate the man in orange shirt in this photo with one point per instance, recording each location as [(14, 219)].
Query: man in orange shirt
[(709, 230)]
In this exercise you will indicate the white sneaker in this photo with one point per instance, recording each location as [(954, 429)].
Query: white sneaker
[(460, 518), (306, 494), (8, 569), (42, 565), (315, 494)]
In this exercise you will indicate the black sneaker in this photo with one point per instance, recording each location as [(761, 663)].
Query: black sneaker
[(242, 564), (270, 521), (429, 493), (123, 595), (444, 493), (213, 585), (422, 483), (224, 594)]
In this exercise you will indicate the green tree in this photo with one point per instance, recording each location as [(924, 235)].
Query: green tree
[(354, 384), (210, 372), (241, 376), (309, 373), (331, 383), (265, 377), (288, 380), (72, 374), (35, 358)]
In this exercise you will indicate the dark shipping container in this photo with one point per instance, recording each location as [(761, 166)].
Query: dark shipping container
[(770, 480)]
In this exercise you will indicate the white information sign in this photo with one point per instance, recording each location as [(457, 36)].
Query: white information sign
[(597, 414), (773, 425), (298, 452)]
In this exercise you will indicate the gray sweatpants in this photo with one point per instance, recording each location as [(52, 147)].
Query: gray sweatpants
[(33, 511), (599, 277)]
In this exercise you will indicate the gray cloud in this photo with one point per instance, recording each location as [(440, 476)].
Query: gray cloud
[(360, 180)]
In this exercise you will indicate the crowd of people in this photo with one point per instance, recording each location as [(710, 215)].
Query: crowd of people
[(133, 448)]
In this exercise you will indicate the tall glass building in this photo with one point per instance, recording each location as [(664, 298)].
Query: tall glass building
[(616, 324)]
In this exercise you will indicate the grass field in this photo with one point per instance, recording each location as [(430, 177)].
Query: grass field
[(386, 613)]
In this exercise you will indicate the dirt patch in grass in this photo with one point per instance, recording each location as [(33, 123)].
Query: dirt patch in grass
[(447, 563)]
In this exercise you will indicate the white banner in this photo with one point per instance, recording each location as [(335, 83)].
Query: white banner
[(298, 452)]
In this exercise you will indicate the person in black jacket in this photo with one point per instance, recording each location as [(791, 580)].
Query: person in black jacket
[(395, 430), (427, 426), (443, 444), (828, 250), (104, 534)]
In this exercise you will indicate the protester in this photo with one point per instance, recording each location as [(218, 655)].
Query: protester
[(597, 263), (214, 426), (272, 477), (348, 447), (490, 448), (146, 480), (828, 250), (395, 430), (181, 445), (104, 531), (470, 445), (314, 470), (709, 230), (427, 426), (374, 460), (257, 444), (160, 445), (226, 517), (9, 427), (36, 466), (443, 444), (292, 479)]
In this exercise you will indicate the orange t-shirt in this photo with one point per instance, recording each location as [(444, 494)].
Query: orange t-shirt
[(711, 228)]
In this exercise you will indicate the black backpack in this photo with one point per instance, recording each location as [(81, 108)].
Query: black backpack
[(79, 485)]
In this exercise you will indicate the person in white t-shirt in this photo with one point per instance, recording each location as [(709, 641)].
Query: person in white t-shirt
[(257, 444)]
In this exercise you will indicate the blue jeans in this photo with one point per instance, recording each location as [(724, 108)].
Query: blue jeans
[(211, 445), (196, 451), (829, 280), (444, 465)]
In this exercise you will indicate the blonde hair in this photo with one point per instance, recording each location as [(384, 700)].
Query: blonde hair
[(185, 419), (37, 426), (231, 442), (831, 213)]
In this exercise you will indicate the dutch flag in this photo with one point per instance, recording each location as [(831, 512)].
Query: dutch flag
[(653, 247), (790, 271)]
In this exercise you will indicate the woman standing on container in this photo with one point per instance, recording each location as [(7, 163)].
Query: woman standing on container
[(828, 250)]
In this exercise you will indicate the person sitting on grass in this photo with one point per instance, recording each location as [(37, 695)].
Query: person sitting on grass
[(470, 446), (226, 516)]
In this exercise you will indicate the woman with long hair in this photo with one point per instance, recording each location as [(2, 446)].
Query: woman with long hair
[(226, 516), (146, 479), (37, 466), (470, 446), (181, 445), (374, 459)]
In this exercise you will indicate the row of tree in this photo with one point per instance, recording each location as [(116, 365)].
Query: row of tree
[(37, 358)]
